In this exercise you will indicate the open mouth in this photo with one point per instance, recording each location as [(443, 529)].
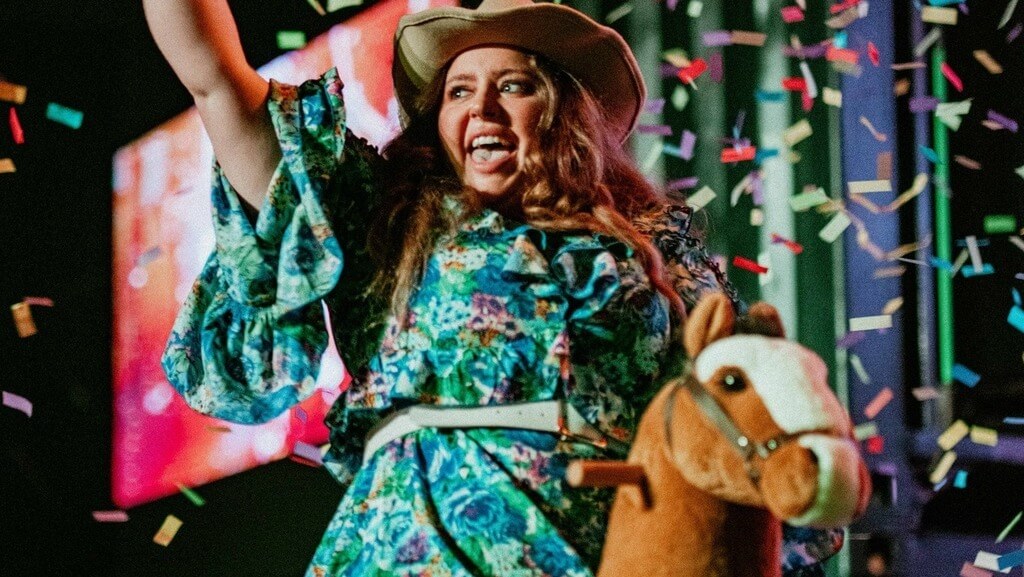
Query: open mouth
[(491, 148)]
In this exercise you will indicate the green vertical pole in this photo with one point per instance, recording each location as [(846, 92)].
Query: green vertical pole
[(943, 228)]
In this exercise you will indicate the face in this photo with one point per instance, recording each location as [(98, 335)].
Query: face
[(489, 121)]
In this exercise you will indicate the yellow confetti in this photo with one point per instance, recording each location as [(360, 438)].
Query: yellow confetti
[(797, 132), (6, 165), (943, 467), (938, 15), (12, 92), (953, 435), (868, 186), (984, 436), (901, 87), (23, 320), (889, 272), (870, 323), (832, 97), (746, 38), (835, 227), (701, 198), (167, 531), (892, 306), (756, 217), (988, 62)]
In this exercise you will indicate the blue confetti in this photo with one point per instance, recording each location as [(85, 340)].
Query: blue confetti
[(965, 375), (931, 155), (940, 263), (764, 154), (960, 481), (1016, 296), (968, 271), (839, 40), (1016, 318), (769, 96), (1011, 560)]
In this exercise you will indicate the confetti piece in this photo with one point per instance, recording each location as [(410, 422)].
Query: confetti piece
[(883, 166), (907, 66), (661, 129), (38, 301), (929, 154), (835, 227), (959, 262), (63, 115), (17, 402), (1014, 33), (652, 156), (693, 71), (618, 13), (889, 272), (847, 55), (923, 103), (167, 531), (716, 38), (949, 113), (1011, 560), (680, 98), (110, 516), (290, 39), (807, 200), (925, 393), (875, 445), (984, 436), (16, 132), (892, 306), (871, 128), (934, 15), (965, 375), (335, 5), (1007, 14), (308, 452), (694, 8), (701, 198), (1006, 530), (960, 480), (929, 39), (1001, 224), (878, 403), (986, 60), (218, 429), (734, 155), (747, 264), (865, 431), (953, 435), (870, 323), (654, 106), (791, 14), (316, 6), (952, 76), (797, 132), (873, 54), (984, 564), (12, 92), (868, 186), (832, 97), (794, 247), (1013, 420), (975, 252), (6, 165), (1007, 123), (858, 367), (901, 87), (967, 162), (756, 217), (686, 144), (23, 319), (794, 84), (191, 494), (943, 467), (747, 38)]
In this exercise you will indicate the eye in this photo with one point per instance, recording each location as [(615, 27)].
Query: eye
[(456, 92), (733, 382), (516, 87)]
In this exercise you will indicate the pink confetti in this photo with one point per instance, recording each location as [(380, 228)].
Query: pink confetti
[(791, 14), (39, 301), (873, 53), (110, 516), (878, 403), (17, 402), (715, 69), (952, 77), (16, 131), (686, 144), (1014, 33)]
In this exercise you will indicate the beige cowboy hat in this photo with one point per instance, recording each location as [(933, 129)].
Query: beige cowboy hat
[(594, 54)]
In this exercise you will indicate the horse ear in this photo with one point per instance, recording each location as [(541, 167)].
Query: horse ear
[(710, 320), (762, 319)]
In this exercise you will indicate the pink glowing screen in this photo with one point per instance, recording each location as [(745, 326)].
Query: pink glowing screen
[(163, 235)]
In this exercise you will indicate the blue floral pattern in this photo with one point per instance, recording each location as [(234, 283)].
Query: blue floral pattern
[(505, 313)]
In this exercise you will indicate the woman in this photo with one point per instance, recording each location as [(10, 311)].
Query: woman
[(504, 285)]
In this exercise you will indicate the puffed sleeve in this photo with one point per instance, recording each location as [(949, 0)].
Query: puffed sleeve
[(247, 342)]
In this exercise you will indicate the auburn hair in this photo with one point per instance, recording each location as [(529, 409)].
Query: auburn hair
[(584, 180)]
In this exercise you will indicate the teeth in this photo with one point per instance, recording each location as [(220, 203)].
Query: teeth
[(482, 140)]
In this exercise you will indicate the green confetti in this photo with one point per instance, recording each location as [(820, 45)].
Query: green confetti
[(335, 5), (1000, 223), (679, 98), (316, 6), (64, 115), (192, 495), (1009, 528), (290, 39)]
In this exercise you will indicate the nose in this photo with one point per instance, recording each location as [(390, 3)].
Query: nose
[(484, 105)]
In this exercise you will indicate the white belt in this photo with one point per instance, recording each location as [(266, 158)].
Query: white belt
[(557, 417)]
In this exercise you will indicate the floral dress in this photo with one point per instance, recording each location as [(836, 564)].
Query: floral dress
[(505, 313)]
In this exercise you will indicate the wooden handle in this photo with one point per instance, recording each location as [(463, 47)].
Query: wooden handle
[(603, 474)]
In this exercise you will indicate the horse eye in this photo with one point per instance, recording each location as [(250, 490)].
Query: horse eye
[(733, 382)]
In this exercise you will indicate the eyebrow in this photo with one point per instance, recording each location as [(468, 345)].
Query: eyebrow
[(466, 77)]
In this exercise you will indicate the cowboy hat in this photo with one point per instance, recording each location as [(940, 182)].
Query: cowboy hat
[(594, 54)]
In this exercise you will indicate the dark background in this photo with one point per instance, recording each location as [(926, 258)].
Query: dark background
[(96, 56)]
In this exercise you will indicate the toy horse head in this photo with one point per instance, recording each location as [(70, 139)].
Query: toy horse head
[(771, 433), (751, 434)]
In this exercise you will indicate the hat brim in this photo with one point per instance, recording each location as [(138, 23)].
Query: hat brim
[(595, 55)]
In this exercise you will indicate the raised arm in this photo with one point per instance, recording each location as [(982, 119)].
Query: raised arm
[(200, 41)]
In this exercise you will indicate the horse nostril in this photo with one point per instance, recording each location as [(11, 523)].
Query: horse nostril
[(733, 382)]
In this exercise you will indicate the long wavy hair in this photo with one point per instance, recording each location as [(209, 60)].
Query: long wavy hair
[(585, 180)]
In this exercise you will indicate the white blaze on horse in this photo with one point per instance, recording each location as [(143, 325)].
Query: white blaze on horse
[(751, 435)]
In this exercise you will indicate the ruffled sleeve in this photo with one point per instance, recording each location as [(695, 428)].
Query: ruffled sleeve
[(248, 340)]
